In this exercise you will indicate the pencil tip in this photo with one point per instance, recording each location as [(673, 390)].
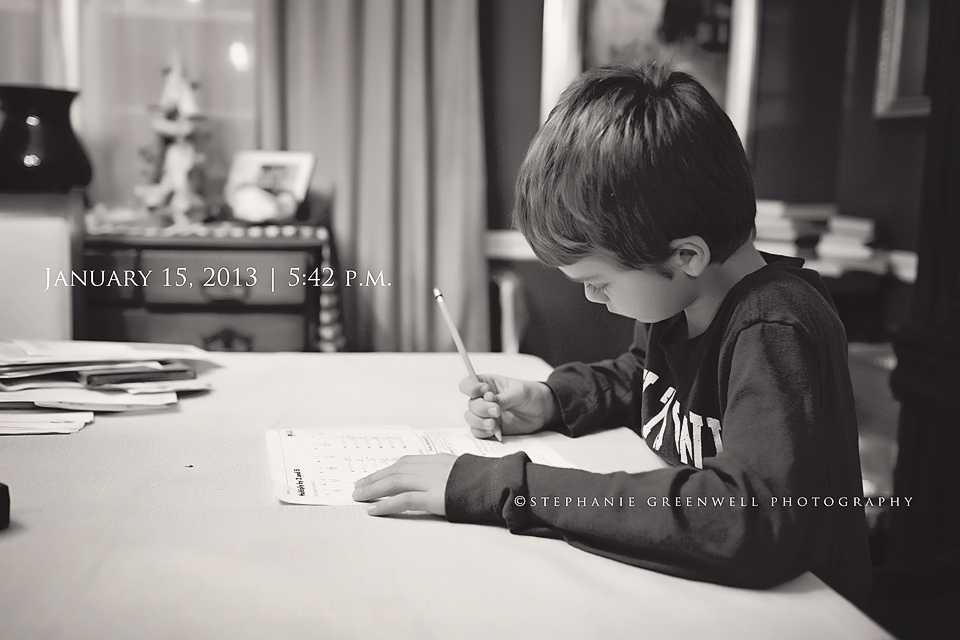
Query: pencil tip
[(436, 293)]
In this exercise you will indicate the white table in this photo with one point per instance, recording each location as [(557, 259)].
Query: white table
[(164, 525)]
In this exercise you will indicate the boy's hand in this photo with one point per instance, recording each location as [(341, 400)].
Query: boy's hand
[(412, 483), (516, 406)]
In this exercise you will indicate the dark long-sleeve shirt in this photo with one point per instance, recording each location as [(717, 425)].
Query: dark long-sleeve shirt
[(756, 418)]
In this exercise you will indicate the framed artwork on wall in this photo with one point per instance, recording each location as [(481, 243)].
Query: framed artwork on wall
[(713, 40), (902, 60)]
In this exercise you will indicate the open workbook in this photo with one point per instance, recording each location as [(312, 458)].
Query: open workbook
[(318, 465)]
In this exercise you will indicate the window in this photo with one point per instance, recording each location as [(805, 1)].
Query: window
[(115, 52)]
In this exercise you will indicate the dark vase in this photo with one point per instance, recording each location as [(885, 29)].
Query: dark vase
[(39, 151)]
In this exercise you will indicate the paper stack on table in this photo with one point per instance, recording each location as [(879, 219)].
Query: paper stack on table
[(14, 422), (80, 377)]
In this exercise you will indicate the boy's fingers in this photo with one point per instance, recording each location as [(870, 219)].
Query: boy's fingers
[(391, 485), (410, 501), (473, 388), (477, 406), (480, 427), (397, 468), (467, 386), (483, 435), (483, 408), (509, 396), (376, 475)]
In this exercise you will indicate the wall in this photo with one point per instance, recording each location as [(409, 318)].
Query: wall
[(881, 162), (793, 147), (815, 136), (511, 36)]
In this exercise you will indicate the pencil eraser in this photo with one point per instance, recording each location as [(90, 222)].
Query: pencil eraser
[(4, 506)]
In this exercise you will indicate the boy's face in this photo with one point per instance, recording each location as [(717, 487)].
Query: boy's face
[(642, 295)]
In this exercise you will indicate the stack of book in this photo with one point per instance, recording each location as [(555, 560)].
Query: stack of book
[(847, 238), (50, 386), (786, 228), (845, 247), (904, 265)]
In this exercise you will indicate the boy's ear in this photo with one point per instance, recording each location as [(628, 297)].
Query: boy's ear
[(691, 255)]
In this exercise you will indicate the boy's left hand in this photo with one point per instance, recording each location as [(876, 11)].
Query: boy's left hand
[(412, 483)]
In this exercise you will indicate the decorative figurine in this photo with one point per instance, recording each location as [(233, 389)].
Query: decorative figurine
[(177, 165)]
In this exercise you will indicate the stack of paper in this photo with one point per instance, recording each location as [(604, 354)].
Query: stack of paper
[(23, 422), (86, 399), (83, 377)]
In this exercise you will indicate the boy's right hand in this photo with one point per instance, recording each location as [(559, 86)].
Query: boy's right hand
[(516, 406)]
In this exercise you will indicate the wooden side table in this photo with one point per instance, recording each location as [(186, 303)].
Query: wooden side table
[(223, 288)]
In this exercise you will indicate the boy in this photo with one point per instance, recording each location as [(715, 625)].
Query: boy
[(638, 187)]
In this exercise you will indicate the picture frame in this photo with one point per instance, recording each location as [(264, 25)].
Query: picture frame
[(274, 171), (566, 42), (266, 186), (902, 60)]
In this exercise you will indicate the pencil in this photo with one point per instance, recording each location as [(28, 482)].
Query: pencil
[(462, 349)]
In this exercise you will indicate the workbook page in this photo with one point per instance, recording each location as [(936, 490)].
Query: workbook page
[(319, 465)]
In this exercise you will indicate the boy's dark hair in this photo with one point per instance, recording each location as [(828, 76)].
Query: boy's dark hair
[(630, 159)]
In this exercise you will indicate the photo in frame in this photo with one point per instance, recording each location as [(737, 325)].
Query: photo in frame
[(716, 41), (902, 60), (268, 186), (692, 35)]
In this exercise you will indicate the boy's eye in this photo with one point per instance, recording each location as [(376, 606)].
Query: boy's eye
[(597, 289)]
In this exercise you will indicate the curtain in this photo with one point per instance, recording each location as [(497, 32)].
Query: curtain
[(37, 39), (387, 95)]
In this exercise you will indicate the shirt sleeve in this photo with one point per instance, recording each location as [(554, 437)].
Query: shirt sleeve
[(657, 519), (601, 394)]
